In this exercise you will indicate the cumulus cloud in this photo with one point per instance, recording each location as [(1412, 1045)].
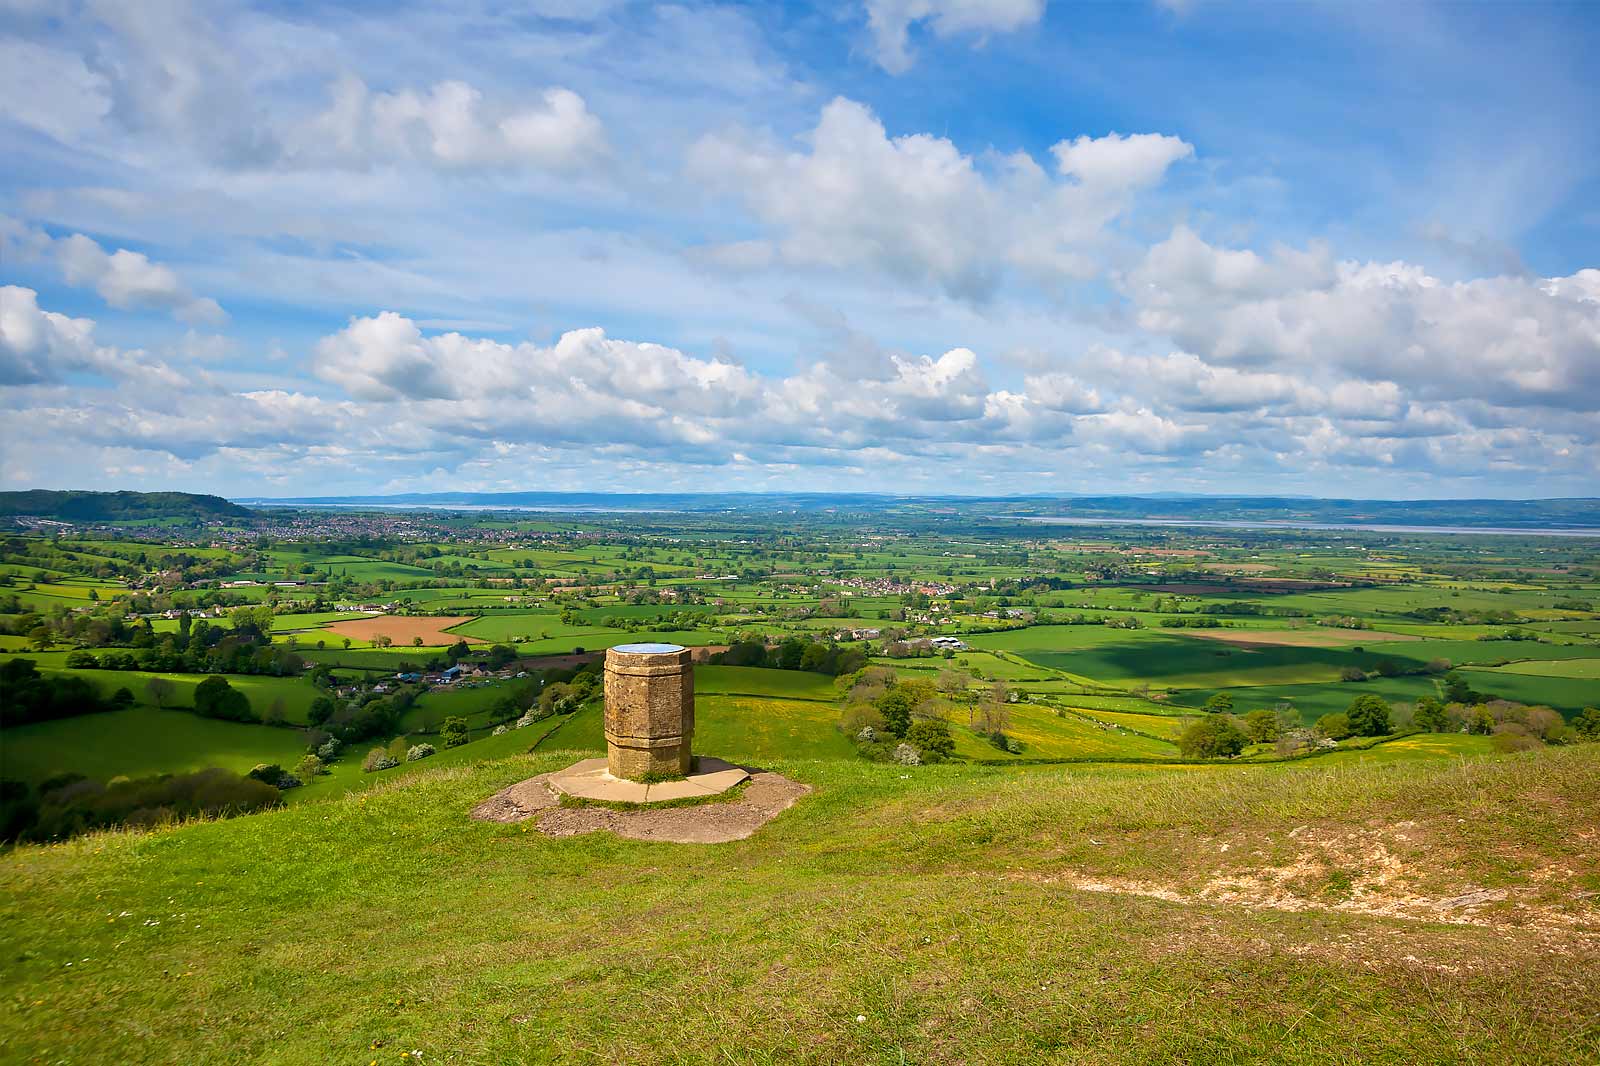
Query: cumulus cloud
[(449, 125), (1506, 340), (38, 345), (890, 22), (129, 279), (918, 208)]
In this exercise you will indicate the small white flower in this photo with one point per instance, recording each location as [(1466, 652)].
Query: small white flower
[(861, 1018)]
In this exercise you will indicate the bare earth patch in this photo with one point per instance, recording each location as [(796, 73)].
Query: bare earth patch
[(1374, 880), (765, 797), (403, 631), (1297, 638)]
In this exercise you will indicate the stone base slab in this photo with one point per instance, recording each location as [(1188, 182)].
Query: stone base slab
[(591, 779)]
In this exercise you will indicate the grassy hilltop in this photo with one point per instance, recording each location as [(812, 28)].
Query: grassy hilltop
[(1306, 913)]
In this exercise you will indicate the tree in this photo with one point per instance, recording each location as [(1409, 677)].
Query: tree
[(953, 682), (215, 698), (321, 710), (159, 691), (1430, 716), (454, 732), (896, 705), (1334, 726), (1368, 715), (1587, 723), (931, 737), (1213, 737), (1220, 703), (1262, 726)]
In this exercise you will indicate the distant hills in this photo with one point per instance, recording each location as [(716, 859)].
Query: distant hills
[(74, 506)]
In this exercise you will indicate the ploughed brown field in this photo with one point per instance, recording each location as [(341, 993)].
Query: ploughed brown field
[(402, 631), (1296, 638)]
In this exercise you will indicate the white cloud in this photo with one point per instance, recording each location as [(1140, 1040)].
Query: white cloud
[(129, 279), (1506, 340), (917, 208), (890, 22), (38, 345), (449, 125)]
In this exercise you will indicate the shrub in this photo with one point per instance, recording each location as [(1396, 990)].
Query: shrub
[(378, 759), (1368, 716), (1352, 673), (1587, 724), (453, 735), (906, 755), (419, 751), (867, 735), (266, 773), (1213, 737), (328, 750), (1221, 703), (931, 737), (499, 729), (310, 766), (1335, 726)]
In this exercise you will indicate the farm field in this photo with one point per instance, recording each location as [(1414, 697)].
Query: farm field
[(1568, 694), (434, 632), (140, 741), (1298, 638)]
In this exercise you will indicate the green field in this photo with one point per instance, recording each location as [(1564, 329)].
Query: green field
[(141, 741), (931, 905)]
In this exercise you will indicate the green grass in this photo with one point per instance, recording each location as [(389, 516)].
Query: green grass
[(293, 694), (141, 741), (1567, 694), (1583, 669), (928, 903), (757, 681)]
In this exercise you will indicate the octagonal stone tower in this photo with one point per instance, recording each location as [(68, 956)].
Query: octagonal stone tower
[(649, 711)]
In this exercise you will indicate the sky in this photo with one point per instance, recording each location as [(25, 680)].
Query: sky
[(919, 246)]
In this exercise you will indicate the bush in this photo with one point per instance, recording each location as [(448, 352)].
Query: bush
[(1213, 737), (71, 804), (1335, 726), (931, 737), (378, 759), (310, 766), (328, 750), (1221, 703), (420, 751), (266, 773), (1352, 673), (906, 755), (453, 735)]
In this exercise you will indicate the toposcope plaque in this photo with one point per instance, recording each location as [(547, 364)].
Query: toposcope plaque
[(649, 711)]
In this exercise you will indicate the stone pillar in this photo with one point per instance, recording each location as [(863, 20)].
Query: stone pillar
[(649, 710)]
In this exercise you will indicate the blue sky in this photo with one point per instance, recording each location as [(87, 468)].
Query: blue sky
[(896, 245)]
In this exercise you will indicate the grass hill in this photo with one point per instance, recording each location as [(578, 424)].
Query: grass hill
[(1419, 911), (77, 506)]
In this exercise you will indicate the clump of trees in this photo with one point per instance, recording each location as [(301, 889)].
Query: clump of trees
[(794, 653), (885, 713), (29, 696), (69, 804)]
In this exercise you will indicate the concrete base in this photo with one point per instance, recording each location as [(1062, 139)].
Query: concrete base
[(590, 779)]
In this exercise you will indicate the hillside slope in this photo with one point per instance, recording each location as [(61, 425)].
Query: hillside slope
[(81, 506), (1411, 912)]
